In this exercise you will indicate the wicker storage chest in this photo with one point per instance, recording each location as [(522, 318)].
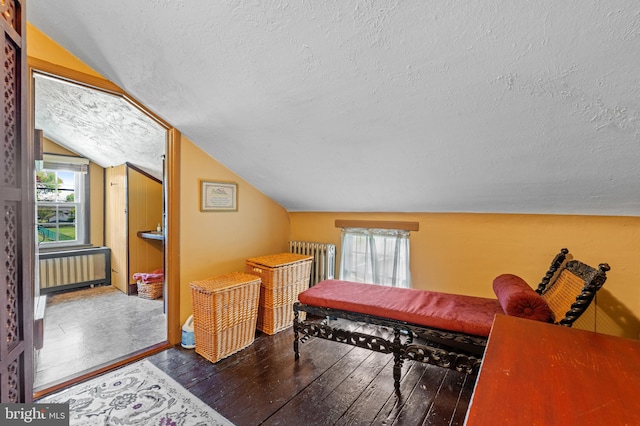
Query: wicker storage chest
[(283, 276), (225, 310)]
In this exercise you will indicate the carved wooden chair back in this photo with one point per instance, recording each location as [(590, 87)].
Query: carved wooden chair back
[(570, 286)]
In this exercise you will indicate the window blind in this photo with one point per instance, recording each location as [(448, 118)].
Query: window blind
[(65, 163)]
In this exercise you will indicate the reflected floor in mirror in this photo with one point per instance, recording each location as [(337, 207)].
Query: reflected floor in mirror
[(89, 327)]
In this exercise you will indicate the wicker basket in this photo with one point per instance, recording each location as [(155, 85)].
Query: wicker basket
[(280, 296), (150, 290), (283, 276), (225, 310)]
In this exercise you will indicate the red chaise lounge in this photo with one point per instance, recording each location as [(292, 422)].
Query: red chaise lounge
[(448, 330)]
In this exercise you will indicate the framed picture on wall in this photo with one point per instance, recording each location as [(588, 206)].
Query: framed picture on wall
[(218, 196)]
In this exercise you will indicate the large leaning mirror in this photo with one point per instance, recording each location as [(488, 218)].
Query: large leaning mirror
[(101, 224)]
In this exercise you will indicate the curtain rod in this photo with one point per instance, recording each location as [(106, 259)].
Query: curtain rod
[(378, 224)]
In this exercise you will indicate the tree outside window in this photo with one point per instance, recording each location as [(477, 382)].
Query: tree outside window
[(59, 196)]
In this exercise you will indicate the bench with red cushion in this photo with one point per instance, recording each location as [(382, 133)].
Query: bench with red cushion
[(452, 328), (448, 330), (453, 312)]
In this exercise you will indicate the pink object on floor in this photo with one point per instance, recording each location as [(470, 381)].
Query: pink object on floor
[(155, 276)]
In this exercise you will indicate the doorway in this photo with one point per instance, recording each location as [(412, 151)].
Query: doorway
[(82, 120)]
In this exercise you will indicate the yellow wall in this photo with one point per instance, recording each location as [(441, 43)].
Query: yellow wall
[(40, 46), (213, 243), (463, 253), (96, 196)]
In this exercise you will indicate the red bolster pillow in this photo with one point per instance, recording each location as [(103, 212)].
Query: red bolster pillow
[(518, 299)]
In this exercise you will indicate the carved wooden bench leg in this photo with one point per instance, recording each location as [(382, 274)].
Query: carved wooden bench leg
[(295, 335), (409, 342), (397, 359)]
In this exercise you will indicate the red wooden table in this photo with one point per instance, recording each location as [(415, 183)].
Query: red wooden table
[(542, 374)]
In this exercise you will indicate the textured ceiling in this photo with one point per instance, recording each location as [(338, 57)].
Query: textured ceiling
[(387, 106), (97, 125)]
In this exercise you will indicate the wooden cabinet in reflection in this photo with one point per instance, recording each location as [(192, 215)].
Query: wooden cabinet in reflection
[(133, 204)]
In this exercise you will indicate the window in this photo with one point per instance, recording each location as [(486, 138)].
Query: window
[(60, 200), (378, 256)]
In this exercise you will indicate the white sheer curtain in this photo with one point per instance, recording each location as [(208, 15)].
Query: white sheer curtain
[(377, 256)]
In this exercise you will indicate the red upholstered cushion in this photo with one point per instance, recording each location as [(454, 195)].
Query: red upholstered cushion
[(518, 299), (465, 314)]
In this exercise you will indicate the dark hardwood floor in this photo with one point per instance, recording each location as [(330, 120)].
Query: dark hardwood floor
[(331, 384)]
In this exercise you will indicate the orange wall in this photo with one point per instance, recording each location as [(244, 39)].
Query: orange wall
[(213, 243), (463, 253), (40, 46)]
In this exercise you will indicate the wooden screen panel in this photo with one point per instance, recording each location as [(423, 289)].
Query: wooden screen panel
[(17, 240)]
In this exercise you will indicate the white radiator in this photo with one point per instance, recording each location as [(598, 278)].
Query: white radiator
[(65, 270), (323, 266)]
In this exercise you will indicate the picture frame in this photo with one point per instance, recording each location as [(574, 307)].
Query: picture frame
[(218, 196)]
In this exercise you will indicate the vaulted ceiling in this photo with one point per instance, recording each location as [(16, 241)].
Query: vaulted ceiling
[(387, 106)]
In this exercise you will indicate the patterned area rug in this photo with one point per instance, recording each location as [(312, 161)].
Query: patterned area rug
[(137, 394)]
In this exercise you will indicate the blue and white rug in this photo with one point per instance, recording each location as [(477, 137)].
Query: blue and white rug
[(137, 394)]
